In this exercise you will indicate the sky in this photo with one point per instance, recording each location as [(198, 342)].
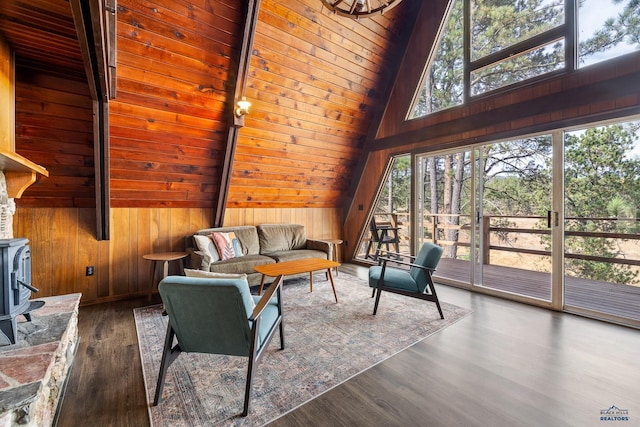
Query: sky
[(592, 16)]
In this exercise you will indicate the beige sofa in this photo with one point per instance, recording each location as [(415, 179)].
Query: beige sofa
[(258, 245)]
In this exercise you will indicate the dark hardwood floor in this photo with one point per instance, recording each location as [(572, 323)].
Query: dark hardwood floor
[(105, 387), (506, 364)]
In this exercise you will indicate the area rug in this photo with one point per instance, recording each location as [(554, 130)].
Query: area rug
[(326, 344)]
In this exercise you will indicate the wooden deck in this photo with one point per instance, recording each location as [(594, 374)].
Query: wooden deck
[(609, 298)]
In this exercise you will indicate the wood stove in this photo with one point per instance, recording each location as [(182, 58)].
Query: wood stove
[(15, 287)]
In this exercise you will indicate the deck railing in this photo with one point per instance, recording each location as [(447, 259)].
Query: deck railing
[(439, 227)]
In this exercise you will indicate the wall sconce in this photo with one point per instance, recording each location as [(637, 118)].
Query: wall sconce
[(242, 107)]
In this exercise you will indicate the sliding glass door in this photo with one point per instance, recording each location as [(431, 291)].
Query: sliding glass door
[(601, 227), (443, 206), (513, 217)]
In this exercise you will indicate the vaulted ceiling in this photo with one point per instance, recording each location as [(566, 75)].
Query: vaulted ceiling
[(317, 82)]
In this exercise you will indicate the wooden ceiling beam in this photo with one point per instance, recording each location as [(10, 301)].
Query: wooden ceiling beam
[(95, 28), (253, 7)]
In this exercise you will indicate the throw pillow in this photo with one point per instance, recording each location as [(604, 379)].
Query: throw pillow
[(207, 247), (226, 247), (213, 275)]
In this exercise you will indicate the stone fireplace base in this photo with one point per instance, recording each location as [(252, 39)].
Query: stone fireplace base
[(33, 371)]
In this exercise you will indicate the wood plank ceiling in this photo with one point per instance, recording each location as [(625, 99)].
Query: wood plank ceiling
[(43, 36), (53, 115), (317, 83)]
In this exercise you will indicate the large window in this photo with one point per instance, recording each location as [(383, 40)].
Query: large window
[(442, 82), (517, 68), (513, 41), (498, 25)]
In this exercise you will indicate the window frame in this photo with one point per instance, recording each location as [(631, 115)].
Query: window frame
[(566, 31)]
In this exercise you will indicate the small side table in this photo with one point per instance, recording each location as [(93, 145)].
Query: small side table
[(335, 243), (165, 258)]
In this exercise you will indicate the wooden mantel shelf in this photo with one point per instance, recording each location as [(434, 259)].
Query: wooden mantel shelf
[(19, 172)]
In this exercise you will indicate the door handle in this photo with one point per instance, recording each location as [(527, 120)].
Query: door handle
[(548, 219)]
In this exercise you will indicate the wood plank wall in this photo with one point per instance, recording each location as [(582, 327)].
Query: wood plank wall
[(7, 97), (54, 128), (63, 243), (169, 122), (316, 82)]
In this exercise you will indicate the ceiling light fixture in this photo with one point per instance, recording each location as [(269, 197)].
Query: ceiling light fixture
[(355, 9)]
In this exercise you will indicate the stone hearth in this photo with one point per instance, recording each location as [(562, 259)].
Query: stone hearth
[(33, 371)]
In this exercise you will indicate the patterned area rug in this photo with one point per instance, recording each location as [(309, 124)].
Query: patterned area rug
[(326, 344)]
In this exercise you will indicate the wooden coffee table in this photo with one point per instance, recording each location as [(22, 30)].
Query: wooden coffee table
[(298, 266)]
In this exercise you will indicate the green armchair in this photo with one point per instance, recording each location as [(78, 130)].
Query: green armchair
[(218, 316), (415, 282)]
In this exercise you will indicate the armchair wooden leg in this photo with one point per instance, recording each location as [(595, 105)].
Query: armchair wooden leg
[(439, 309), (251, 367), (375, 307), (281, 335), (247, 391), (432, 288), (377, 252), (168, 356)]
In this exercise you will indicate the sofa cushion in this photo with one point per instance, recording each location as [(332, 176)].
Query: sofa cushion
[(281, 237), (243, 264), (283, 256), (247, 236)]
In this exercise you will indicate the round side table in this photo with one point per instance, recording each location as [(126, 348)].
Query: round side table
[(334, 251), (165, 258)]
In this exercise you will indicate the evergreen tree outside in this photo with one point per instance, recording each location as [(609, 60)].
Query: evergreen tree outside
[(396, 193), (602, 189), (442, 87)]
